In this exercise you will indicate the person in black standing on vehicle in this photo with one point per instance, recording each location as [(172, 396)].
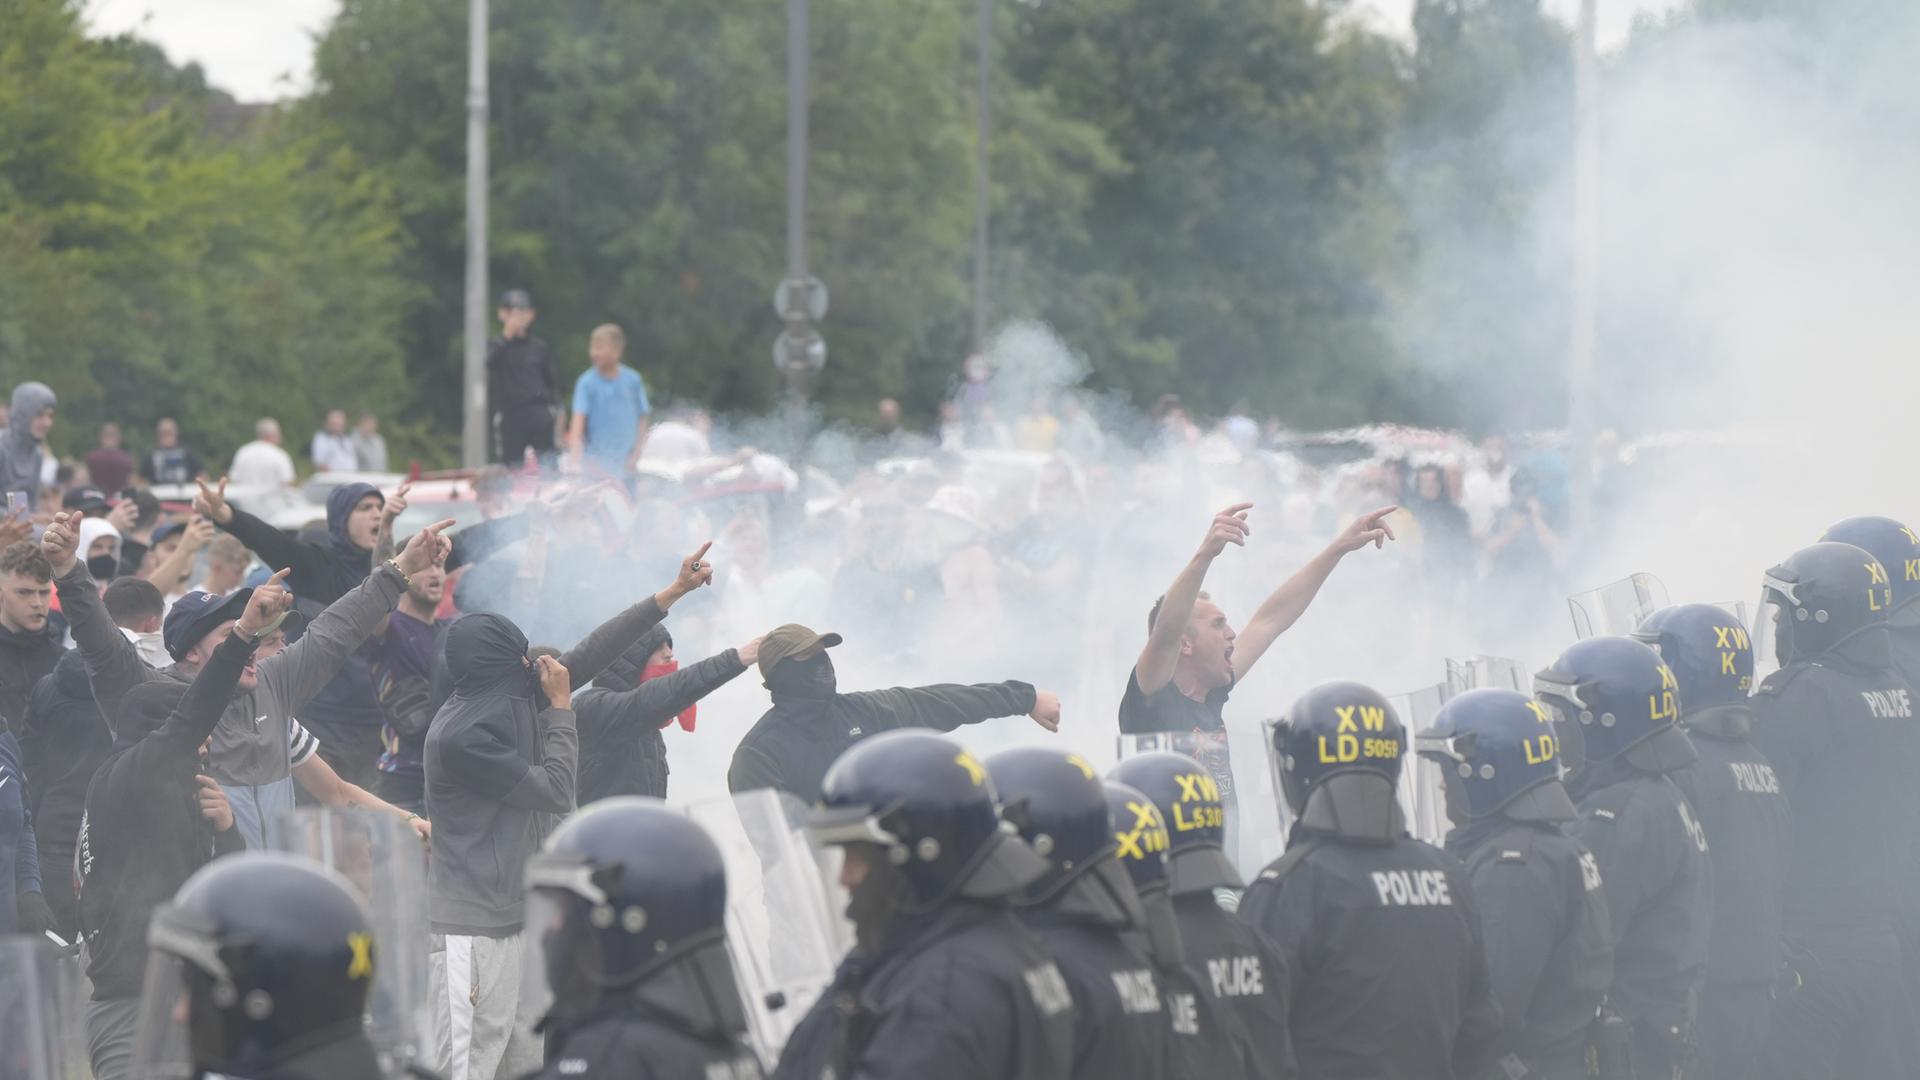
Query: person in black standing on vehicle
[(943, 983), (1240, 968), (812, 723), (1208, 1039), (648, 998), (1381, 937), (1836, 721), (522, 389), (1749, 824), (1193, 656), (273, 958), (153, 816), (1081, 909), (1616, 711), (1549, 940)]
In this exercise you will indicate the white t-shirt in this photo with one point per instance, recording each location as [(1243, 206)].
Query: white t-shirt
[(261, 464)]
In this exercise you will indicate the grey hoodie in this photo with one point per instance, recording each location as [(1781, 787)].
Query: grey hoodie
[(21, 453)]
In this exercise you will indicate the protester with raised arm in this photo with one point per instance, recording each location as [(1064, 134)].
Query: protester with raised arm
[(1193, 657), (253, 747), (153, 815), (502, 758)]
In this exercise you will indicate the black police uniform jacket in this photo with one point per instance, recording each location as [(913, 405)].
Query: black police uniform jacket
[(1839, 732), (1242, 972), (1549, 940), (1119, 1018), (351, 1055), (1653, 864), (1749, 824), (635, 1046), (1383, 948), (959, 994)]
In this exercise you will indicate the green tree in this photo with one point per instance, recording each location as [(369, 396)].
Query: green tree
[(638, 167), (164, 253)]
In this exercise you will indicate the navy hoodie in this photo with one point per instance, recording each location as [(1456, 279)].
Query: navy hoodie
[(324, 571)]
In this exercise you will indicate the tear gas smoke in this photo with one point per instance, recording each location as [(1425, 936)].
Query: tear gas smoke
[(1757, 338)]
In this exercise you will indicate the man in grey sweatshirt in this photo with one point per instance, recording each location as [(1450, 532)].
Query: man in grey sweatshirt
[(23, 441), (502, 761)]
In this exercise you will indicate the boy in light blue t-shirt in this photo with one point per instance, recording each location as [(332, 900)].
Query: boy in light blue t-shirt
[(610, 408)]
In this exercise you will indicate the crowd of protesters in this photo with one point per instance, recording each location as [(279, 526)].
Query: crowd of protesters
[(422, 676)]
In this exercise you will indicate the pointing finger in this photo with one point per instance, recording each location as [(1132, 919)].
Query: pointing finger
[(702, 553)]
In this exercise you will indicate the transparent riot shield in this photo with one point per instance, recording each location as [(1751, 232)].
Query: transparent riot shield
[(1466, 673), (1423, 795), (1616, 608), (384, 860), (1277, 773), (786, 921), (42, 1011)]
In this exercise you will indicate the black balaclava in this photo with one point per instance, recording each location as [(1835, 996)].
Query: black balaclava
[(803, 680), (487, 654)]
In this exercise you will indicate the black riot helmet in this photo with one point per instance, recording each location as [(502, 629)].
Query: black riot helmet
[(1709, 651), (1613, 697), (1497, 751), (1822, 596), (272, 952), (930, 808), (1140, 844), (628, 903), (1339, 749), (1896, 546), (1055, 799), (1188, 798)]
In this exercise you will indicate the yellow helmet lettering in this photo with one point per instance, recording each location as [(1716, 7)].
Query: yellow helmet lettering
[(975, 771), (361, 966), (1083, 765)]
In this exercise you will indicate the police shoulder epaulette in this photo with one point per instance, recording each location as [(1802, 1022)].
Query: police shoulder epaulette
[(1776, 682)]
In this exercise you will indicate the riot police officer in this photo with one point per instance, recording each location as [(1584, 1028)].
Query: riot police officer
[(1550, 957), (1616, 709), (273, 958), (627, 909), (1389, 970), (944, 981), (1080, 909), (1837, 723), (1208, 1039), (1898, 549), (1240, 969), (1737, 798)]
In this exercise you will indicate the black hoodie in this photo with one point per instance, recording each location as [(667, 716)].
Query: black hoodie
[(620, 717), (66, 742), (26, 656), (143, 834)]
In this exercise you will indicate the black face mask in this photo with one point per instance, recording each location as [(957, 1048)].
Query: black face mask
[(811, 680), (103, 567)]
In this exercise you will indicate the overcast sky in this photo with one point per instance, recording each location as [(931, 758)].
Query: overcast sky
[(259, 50)]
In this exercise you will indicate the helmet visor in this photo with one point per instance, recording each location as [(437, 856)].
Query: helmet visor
[(1773, 625)]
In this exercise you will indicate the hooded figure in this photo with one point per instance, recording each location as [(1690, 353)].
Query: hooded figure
[(345, 714), (144, 832), (105, 566), (21, 451), (501, 763), (622, 715)]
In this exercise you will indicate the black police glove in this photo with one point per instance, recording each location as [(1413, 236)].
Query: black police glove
[(36, 917)]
